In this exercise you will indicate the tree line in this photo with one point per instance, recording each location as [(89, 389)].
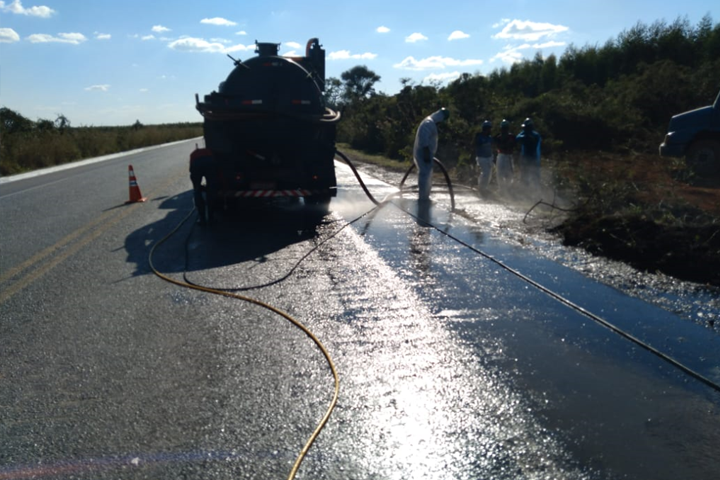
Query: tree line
[(618, 97)]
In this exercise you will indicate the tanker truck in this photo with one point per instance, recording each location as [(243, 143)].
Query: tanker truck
[(267, 131)]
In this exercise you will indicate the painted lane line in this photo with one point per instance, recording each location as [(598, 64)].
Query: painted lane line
[(105, 221)]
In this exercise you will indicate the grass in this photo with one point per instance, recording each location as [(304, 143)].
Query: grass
[(35, 149), (379, 160)]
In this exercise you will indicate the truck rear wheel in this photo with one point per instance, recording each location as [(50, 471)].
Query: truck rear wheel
[(703, 157)]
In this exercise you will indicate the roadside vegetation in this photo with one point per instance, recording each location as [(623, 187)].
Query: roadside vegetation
[(602, 112), (33, 144)]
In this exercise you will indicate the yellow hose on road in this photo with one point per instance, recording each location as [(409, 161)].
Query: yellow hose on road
[(288, 317)]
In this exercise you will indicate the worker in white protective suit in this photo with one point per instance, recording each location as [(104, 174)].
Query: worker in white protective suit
[(426, 144)]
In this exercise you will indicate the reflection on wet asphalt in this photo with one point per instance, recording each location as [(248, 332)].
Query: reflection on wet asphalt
[(466, 372), (453, 368)]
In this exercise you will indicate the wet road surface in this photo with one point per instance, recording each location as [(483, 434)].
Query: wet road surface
[(451, 366)]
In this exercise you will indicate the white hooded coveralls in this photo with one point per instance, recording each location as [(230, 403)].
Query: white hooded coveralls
[(426, 136)]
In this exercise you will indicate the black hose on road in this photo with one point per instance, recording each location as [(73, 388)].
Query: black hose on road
[(447, 180)]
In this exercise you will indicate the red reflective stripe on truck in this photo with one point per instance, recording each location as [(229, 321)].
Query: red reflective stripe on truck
[(273, 193)]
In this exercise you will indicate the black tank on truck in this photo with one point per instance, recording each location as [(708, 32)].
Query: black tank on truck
[(267, 130)]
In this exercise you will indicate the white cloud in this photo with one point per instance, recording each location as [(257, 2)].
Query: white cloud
[(16, 7), (511, 54), (345, 55), (102, 36), (291, 53), (239, 48), (549, 44), (292, 44), (529, 31), (442, 77), (144, 90), (72, 38), (241, 32), (220, 40), (98, 88), (502, 22), (159, 29), (218, 21), (457, 35), (382, 30), (8, 35), (190, 44), (435, 63), (415, 37), (508, 55), (148, 37)]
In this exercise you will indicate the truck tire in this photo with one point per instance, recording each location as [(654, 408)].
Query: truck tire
[(703, 157)]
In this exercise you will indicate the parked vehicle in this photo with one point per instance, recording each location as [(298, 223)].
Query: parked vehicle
[(696, 136)]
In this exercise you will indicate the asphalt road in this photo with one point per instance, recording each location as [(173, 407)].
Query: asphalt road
[(451, 366)]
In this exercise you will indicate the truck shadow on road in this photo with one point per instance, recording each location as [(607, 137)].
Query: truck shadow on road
[(244, 237)]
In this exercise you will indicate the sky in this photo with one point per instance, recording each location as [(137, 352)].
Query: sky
[(103, 62)]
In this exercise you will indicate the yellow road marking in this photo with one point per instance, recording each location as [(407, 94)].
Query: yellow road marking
[(105, 221), (44, 253), (35, 274)]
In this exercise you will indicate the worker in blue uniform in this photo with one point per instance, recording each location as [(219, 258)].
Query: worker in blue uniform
[(426, 144), (529, 160), (484, 156)]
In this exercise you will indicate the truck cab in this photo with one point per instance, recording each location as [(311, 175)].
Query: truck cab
[(695, 135)]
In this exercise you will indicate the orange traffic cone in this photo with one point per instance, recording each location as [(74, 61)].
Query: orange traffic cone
[(135, 195)]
